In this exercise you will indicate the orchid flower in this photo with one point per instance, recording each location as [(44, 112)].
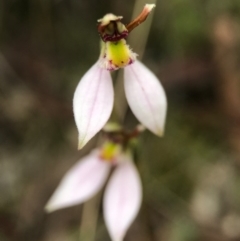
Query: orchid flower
[(92, 106), (94, 95), (123, 194)]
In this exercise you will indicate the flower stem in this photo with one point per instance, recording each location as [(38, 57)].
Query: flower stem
[(89, 218)]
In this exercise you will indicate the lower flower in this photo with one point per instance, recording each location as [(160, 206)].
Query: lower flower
[(123, 194)]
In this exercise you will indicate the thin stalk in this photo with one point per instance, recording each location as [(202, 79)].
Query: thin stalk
[(89, 218)]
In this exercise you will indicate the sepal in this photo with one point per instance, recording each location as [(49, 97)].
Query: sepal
[(122, 198), (80, 183), (92, 102), (146, 97)]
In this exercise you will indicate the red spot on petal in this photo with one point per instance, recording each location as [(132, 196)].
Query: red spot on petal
[(130, 61)]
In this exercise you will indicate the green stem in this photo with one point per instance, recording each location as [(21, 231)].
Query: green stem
[(89, 219)]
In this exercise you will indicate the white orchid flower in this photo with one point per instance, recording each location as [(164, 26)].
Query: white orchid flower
[(94, 95), (123, 194)]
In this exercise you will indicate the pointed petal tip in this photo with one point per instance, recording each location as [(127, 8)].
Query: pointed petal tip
[(160, 133), (48, 208), (81, 144), (53, 205)]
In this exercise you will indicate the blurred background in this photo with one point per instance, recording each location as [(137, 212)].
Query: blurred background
[(191, 176)]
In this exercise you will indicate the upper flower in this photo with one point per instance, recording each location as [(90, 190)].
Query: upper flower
[(94, 95)]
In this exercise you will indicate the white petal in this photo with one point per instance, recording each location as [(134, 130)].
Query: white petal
[(146, 97), (122, 199), (92, 102), (80, 183)]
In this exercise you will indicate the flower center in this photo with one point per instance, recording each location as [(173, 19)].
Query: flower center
[(115, 55), (110, 151)]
